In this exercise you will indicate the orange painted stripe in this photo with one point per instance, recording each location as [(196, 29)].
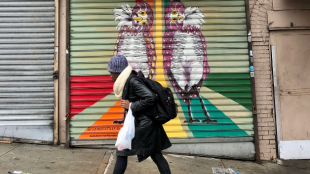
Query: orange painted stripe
[(105, 129)]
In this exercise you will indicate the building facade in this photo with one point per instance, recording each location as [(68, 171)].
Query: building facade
[(242, 96), (280, 42)]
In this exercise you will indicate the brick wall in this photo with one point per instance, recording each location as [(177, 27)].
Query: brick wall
[(263, 78)]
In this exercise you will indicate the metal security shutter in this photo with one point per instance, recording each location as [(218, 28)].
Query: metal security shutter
[(97, 32), (26, 70)]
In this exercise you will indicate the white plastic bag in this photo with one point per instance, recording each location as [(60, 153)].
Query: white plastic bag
[(127, 132)]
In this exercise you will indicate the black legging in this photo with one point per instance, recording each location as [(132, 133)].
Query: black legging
[(158, 158)]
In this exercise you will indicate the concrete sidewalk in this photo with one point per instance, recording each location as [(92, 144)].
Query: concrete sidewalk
[(44, 159)]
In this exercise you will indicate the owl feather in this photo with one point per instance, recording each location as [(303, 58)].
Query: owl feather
[(193, 17), (123, 16)]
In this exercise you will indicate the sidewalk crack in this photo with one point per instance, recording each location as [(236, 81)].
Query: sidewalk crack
[(223, 164), (109, 163), (9, 150), (101, 161)]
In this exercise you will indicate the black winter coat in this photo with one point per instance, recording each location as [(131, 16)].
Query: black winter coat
[(150, 136)]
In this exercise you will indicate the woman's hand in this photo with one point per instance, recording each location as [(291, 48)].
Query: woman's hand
[(125, 104)]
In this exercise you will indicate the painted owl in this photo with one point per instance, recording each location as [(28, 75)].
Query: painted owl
[(135, 41), (185, 55)]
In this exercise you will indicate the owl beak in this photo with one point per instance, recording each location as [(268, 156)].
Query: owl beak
[(138, 19), (180, 17)]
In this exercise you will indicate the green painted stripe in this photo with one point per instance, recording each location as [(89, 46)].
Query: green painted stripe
[(228, 64), (93, 53), (231, 88), (76, 10), (90, 60), (226, 82), (223, 91), (230, 57), (96, 22), (74, 136), (80, 130), (90, 1), (214, 2), (206, 10), (227, 45), (87, 72), (224, 102), (229, 70), (82, 115), (111, 47), (114, 34), (209, 51), (111, 26), (198, 109), (228, 76), (216, 88), (228, 106), (92, 41), (81, 13), (223, 122), (216, 114), (226, 51), (209, 40), (231, 67), (230, 95), (103, 35), (240, 133), (105, 59), (88, 66), (107, 5)]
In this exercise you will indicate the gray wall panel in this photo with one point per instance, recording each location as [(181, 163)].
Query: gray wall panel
[(26, 70)]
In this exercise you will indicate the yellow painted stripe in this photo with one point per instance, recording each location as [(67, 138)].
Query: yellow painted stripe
[(237, 106), (158, 37)]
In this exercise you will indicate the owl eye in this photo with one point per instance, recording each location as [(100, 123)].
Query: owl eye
[(174, 12), (142, 13), (174, 19), (144, 23)]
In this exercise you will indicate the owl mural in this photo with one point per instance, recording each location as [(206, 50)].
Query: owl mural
[(135, 41), (185, 55)]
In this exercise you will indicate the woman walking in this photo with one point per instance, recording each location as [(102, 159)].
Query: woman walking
[(150, 137)]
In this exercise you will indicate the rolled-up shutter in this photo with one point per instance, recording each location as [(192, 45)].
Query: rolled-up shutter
[(225, 93), (26, 70)]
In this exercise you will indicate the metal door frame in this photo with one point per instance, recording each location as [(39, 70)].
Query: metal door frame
[(56, 75), (68, 74), (254, 108)]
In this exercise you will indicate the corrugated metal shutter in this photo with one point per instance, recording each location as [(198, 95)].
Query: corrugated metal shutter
[(224, 91), (26, 70)]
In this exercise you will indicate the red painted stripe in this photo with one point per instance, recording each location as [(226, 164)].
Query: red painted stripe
[(76, 111), (85, 98), (92, 85), (86, 104), (90, 91), (90, 79)]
